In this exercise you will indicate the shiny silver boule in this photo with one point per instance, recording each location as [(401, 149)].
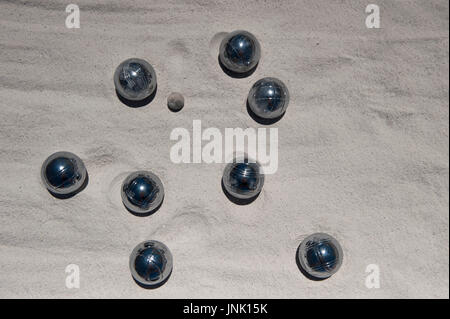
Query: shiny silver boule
[(243, 179), (151, 263), (142, 192), (268, 98), (63, 173), (320, 255), (239, 51), (135, 79)]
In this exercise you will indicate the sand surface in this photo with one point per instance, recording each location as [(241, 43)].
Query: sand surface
[(363, 148)]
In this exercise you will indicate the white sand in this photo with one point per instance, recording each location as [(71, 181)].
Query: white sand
[(363, 152)]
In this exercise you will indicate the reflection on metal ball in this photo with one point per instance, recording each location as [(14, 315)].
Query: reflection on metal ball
[(239, 51), (63, 173), (142, 192), (243, 179), (135, 79), (320, 255), (268, 98), (151, 263)]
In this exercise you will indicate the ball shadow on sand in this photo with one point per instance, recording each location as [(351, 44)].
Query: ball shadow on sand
[(152, 286), (174, 110), (261, 120), (136, 104), (238, 201), (236, 75), (148, 213), (66, 196)]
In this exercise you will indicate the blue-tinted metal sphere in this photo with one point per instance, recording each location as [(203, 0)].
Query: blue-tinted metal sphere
[(243, 180), (320, 255), (268, 98), (151, 263), (63, 173), (135, 79), (142, 192), (239, 51)]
